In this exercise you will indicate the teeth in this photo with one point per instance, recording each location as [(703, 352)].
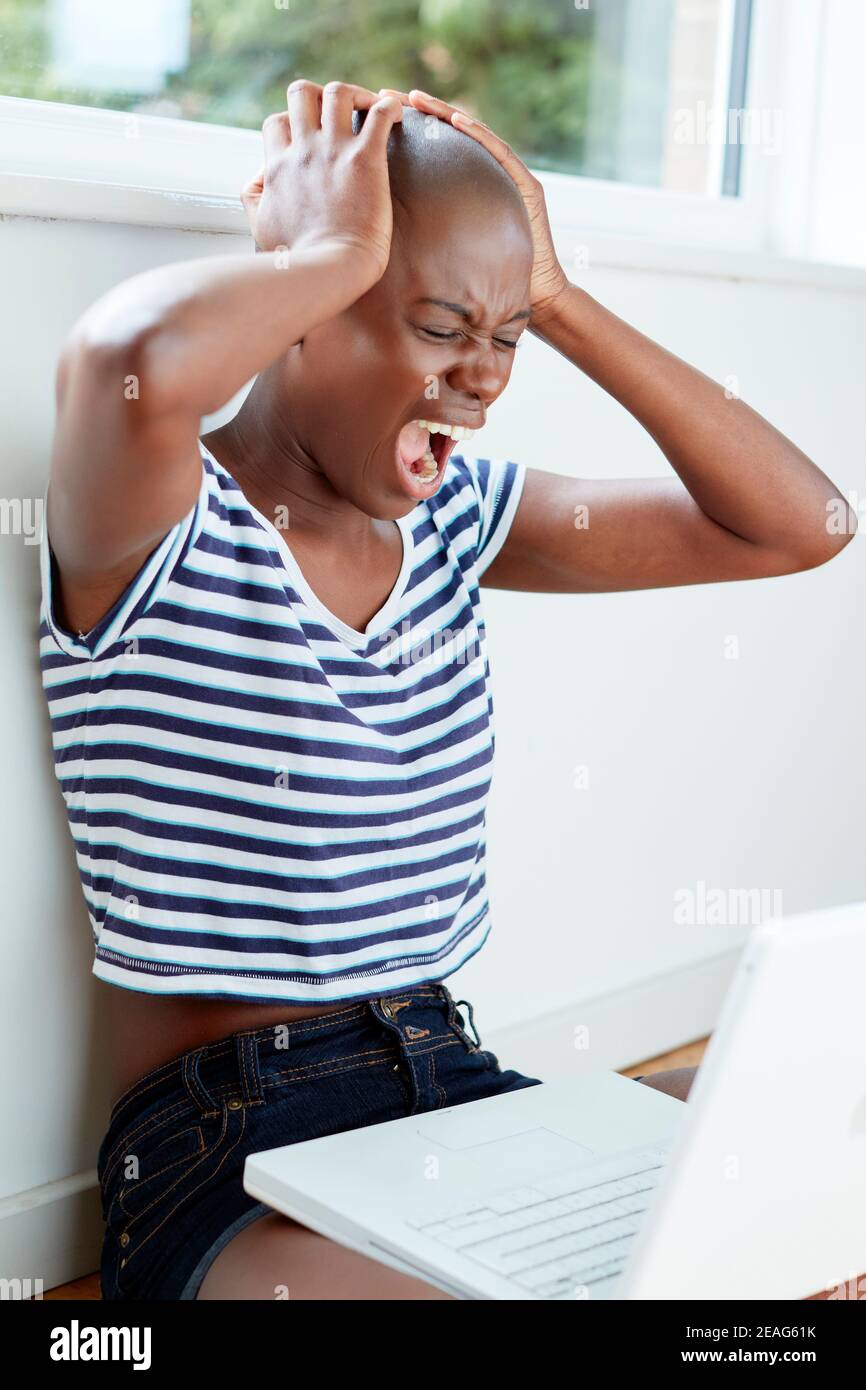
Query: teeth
[(452, 431)]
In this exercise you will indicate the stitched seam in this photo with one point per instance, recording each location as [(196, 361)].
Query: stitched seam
[(279, 1079), (322, 1022), (168, 1215), (406, 1080), (449, 1042), (435, 1080), (165, 1117), (325, 1022), (417, 1044), (153, 1078), (146, 1127), (290, 1077), (215, 1145), (222, 1046), (167, 1169), (242, 1051), (316, 1066)]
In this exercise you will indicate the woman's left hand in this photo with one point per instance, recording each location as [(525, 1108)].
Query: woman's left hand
[(549, 280)]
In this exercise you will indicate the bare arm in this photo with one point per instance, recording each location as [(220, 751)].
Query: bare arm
[(161, 350), (747, 502)]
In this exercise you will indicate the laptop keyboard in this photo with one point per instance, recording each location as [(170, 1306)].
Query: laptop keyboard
[(562, 1234)]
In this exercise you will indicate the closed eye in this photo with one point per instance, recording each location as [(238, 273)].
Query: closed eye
[(444, 337)]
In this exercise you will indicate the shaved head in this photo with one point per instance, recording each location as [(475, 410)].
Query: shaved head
[(429, 159)]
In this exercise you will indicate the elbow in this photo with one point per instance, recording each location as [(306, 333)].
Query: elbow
[(115, 358), (838, 530), (840, 527)]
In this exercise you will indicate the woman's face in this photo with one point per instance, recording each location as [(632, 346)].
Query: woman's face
[(433, 341)]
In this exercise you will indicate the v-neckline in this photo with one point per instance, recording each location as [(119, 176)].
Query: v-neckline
[(351, 636)]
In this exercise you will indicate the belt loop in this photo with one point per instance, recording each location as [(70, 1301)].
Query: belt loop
[(193, 1082), (248, 1066), (464, 1003)]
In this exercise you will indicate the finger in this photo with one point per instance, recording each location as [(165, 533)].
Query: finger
[(402, 97), (486, 137), (339, 100), (304, 100), (384, 114), (276, 135), (423, 101), (252, 191), (470, 125)]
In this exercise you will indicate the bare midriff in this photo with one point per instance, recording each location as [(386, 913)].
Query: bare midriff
[(147, 1030)]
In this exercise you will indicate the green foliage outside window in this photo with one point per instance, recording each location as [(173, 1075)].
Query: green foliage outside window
[(522, 65)]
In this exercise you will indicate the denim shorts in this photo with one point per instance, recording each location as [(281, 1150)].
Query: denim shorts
[(171, 1164)]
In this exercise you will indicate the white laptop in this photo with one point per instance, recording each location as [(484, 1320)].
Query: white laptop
[(598, 1187)]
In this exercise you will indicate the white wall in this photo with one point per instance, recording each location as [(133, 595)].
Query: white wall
[(745, 773)]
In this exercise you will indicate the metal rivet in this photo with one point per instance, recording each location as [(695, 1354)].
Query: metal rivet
[(387, 1011), (124, 1240), (235, 1104)]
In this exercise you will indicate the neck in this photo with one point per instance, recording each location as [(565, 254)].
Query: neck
[(280, 475)]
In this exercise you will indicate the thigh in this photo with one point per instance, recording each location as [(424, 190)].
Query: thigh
[(275, 1258)]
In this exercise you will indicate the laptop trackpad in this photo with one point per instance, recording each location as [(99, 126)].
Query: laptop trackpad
[(538, 1146)]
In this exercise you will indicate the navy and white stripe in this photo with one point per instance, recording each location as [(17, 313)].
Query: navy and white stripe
[(264, 802)]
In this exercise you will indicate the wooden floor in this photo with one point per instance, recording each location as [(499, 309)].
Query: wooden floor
[(690, 1056)]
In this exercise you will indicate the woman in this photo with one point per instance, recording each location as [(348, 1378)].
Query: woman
[(264, 651)]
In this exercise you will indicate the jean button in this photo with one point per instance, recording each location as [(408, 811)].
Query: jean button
[(387, 1010)]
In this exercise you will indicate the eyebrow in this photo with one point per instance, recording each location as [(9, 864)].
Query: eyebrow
[(465, 313)]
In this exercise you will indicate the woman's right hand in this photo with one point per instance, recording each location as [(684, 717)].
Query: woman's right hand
[(322, 185)]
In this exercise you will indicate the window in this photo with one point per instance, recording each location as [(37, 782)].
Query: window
[(654, 119), (600, 88)]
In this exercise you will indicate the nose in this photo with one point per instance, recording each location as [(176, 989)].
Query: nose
[(482, 374)]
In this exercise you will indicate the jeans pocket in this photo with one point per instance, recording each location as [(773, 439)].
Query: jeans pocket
[(151, 1200), (149, 1172)]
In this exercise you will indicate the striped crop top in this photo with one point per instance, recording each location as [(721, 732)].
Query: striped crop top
[(265, 803)]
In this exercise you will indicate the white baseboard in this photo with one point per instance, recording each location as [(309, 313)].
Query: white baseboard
[(50, 1234), (621, 1029)]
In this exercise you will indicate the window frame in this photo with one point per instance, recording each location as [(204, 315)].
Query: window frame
[(90, 163)]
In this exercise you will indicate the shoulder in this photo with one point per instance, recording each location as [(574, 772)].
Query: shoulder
[(478, 497)]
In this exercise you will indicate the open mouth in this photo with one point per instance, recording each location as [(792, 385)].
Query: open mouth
[(423, 449)]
